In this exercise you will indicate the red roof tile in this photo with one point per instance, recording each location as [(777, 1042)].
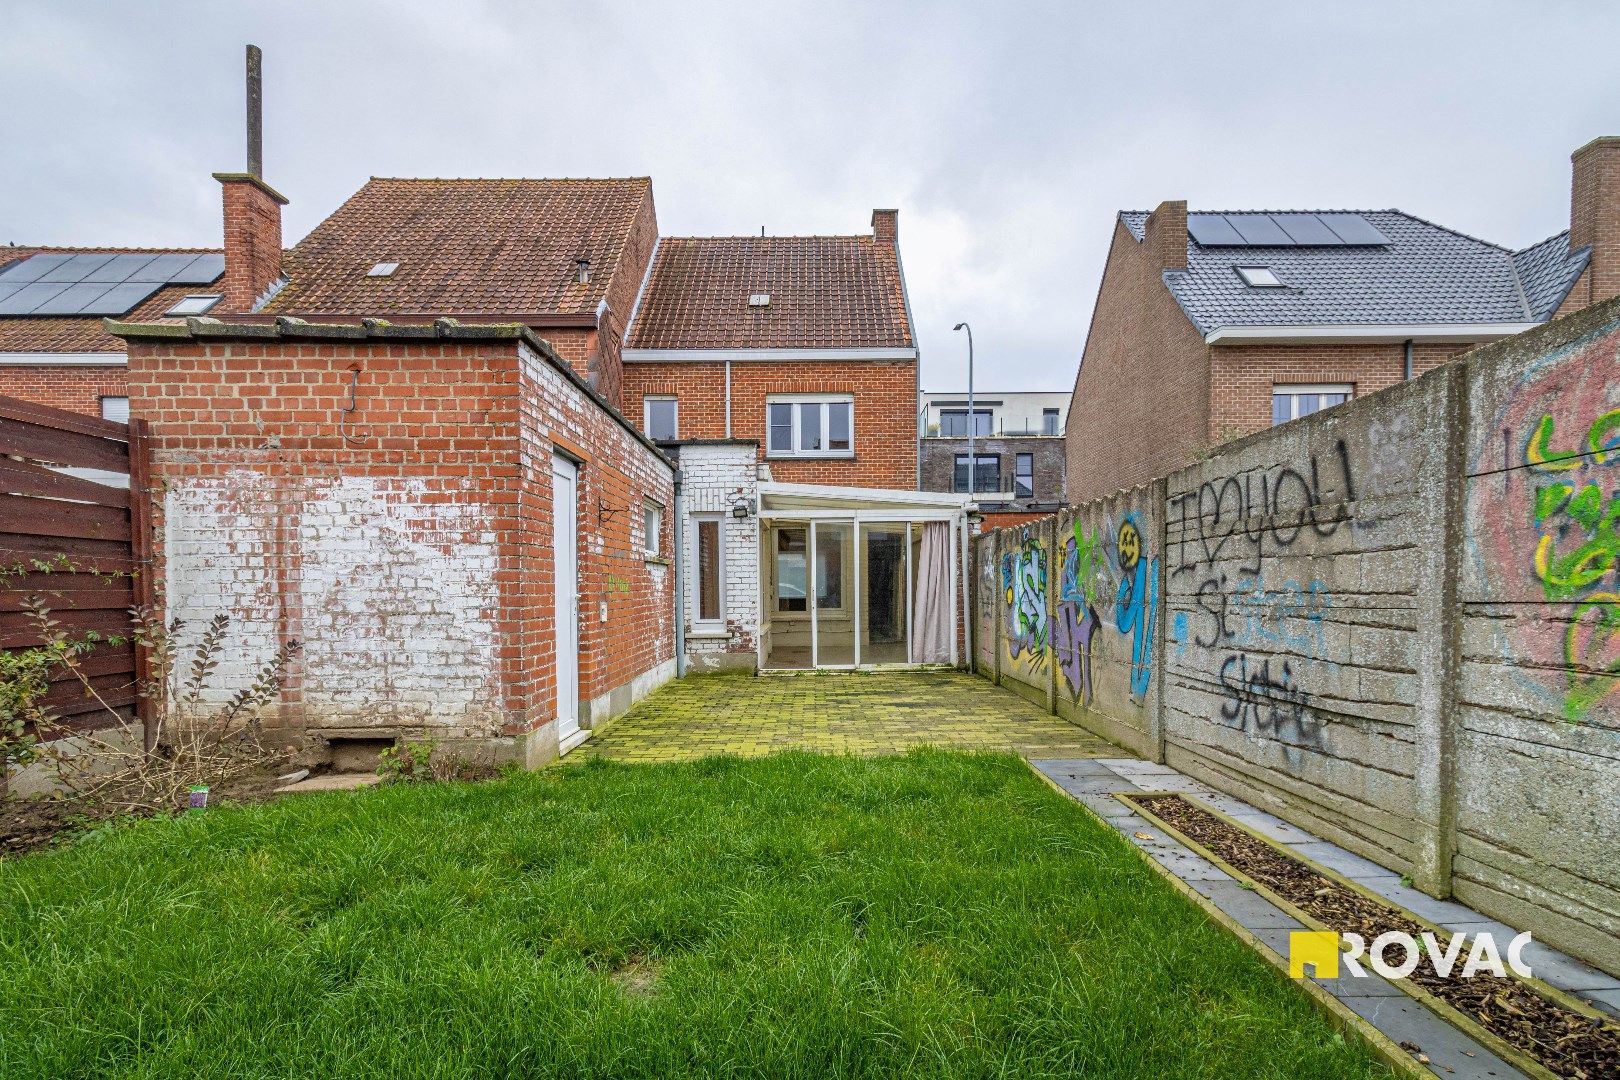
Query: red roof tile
[(489, 247), (28, 333), (826, 292)]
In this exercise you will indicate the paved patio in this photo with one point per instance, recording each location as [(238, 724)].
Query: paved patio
[(836, 713)]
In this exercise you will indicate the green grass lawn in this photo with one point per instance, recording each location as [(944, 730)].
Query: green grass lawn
[(933, 915)]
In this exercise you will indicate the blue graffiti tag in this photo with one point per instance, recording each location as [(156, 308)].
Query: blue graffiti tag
[(1137, 602)]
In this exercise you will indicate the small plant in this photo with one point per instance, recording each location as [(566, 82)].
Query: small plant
[(407, 761)]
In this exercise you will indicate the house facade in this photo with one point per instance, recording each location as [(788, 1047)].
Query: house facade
[(1015, 467), (423, 442), (1209, 326)]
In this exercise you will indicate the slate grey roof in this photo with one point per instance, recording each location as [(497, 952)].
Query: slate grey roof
[(1425, 274)]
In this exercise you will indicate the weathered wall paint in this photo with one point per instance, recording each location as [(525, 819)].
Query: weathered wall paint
[(1396, 624)]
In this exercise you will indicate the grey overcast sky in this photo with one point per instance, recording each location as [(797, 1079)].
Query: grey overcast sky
[(1008, 134)]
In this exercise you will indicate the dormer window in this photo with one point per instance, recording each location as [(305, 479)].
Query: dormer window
[(193, 305), (383, 269), (1259, 277)]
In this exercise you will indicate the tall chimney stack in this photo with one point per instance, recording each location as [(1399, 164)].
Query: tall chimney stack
[(1594, 214), (255, 112), (252, 211)]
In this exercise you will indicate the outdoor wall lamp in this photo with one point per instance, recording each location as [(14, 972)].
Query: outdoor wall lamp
[(742, 508)]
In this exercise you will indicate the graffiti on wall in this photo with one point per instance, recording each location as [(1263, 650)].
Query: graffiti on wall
[(1112, 570), (1226, 526), (1023, 585), (1553, 520)]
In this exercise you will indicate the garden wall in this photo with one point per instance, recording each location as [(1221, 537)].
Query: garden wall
[(1396, 623)]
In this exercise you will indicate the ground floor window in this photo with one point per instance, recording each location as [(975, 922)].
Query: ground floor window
[(987, 474), (793, 569), (1292, 402), (709, 559)]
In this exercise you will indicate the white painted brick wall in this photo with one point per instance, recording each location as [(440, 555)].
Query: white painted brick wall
[(713, 479)]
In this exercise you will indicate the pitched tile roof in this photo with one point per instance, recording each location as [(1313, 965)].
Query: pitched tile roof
[(1424, 274), (49, 333), (490, 247), (825, 292)]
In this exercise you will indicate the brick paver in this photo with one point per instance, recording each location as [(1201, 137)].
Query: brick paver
[(838, 713)]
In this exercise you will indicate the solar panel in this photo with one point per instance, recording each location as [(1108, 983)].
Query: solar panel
[(1258, 230), (76, 268), (30, 296), (1353, 229), (8, 289), (121, 299), (1211, 230), (31, 268), (120, 268), (206, 269), (164, 267), (71, 300), (1307, 230)]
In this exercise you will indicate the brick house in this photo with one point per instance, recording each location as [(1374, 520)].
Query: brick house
[(400, 442), (1017, 457), (1209, 325), (53, 346)]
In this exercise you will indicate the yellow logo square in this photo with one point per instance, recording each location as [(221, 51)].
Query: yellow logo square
[(1318, 948)]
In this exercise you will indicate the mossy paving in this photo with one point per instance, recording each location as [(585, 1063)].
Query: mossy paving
[(843, 713)]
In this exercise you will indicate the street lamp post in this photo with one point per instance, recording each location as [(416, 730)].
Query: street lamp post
[(973, 463)]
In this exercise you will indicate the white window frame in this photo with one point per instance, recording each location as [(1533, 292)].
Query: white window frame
[(646, 414), (695, 607), (798, 400), (1260, 277), (1297, 390), (652, 528), (194, 304)]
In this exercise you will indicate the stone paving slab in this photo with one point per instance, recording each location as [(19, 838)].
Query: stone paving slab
[(1451, 1053)]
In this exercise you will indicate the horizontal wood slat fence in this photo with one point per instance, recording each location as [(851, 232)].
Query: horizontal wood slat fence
[(75, 533)]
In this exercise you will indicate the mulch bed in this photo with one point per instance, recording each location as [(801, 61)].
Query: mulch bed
[(44, 821), (1561, 1040)]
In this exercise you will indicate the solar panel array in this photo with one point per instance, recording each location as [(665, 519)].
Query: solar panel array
[(98, 284), (1283, 230)]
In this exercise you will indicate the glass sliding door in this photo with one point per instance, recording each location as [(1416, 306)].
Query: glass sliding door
[(835, 599), (885, 608)]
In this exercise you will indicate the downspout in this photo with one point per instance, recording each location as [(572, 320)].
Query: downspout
[(728, 397), (680, 575), (1408, 359)]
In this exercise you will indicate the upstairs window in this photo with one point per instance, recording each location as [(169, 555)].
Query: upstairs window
[(1292, 402), (987, 476), (810, 427), (953, 423), (1024, 476), (1049, 421), (659, 418)]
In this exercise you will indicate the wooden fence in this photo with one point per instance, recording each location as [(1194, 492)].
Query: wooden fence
[(76, 538)]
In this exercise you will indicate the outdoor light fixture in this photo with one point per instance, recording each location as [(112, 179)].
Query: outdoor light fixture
[(742, 508)]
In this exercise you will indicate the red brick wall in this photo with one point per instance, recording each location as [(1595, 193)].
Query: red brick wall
[(413, 558), (885, 396), (79, 389), (1141, 405), (1595, 217), (1241, 376)]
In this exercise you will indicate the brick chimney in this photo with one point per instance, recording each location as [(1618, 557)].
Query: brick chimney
[(1166, 231), (252, 239), (1594, 214), (252, 210), (886, 225)]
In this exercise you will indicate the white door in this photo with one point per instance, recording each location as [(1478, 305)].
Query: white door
[(565, 575)]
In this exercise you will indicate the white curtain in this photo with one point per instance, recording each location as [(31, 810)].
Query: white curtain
[(931, 636)]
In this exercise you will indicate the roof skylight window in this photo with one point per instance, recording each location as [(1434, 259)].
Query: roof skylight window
[(1259, 277), (759, 299), (194, 305), (383, 269)]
